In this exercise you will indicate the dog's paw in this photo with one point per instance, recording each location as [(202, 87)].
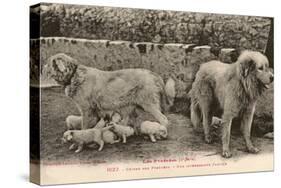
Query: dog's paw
[(78, 150), (196, 129), (208, 139), (115, 141), (253, 150), (226, 154)]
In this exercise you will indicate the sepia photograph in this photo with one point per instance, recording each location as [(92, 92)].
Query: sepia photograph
[(125, 93)]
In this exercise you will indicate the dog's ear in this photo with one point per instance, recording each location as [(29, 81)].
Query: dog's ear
[(246, 67)]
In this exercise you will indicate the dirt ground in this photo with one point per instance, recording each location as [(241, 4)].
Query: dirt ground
[(182, 140)]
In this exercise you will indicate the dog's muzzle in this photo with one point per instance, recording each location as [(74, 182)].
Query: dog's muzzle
[(271, 78)]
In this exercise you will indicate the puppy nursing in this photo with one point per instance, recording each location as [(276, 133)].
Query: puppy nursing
[(110, 133), (232, 88), (109, 137), (81, 138), (154, 130), (122, 131)]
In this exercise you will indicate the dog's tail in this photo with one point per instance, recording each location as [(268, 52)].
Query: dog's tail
[(169, 94)]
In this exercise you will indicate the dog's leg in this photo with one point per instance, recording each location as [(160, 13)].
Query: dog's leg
[(195, 116), (72, 146), (101, 145), (136, 130), (86, 119), (80, 148), (158, 137), (152, 138), (89, 118), (124, 138), (207, 120), (205, 100), (205, 104), (115, 141), (157, 114), (226, 129), (246, 125)]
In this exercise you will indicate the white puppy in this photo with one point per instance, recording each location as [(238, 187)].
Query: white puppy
[(73, 122), (153, 129), (109, 137), (116, 117), (121, 130), (84, 137)]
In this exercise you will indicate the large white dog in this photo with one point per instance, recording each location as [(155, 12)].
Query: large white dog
[(94, 90), (232, 88)]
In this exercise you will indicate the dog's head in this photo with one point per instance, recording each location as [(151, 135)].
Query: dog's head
[(67, 136), (163, 132), (254, 71), (111, 125), (61, 68), (116, 117)]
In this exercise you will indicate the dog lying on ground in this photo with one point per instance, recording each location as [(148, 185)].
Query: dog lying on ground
[(73, 122), (79, 138), (96, 90), (153, 129), (121, 130), (232, 88)]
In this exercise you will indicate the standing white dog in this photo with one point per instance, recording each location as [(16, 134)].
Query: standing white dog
[(232, 88)]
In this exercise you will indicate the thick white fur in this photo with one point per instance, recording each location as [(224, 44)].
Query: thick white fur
[(95, 90), (232, 89), (109, 137), (73, 122), (84, 137), (122, 131), (153, 129)]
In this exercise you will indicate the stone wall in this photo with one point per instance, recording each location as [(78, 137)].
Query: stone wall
[(140, 25)]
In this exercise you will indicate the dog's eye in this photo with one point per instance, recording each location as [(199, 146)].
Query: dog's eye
[(261, 68)]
